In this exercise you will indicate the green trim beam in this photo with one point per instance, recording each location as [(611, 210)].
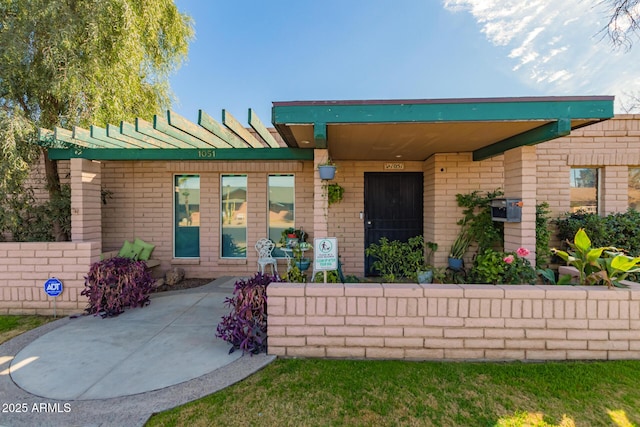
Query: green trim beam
[(454, 111), (182, 154), (540, 134), (320, 135)]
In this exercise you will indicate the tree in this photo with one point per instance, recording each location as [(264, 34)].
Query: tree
[(80, 62), (624, 21)]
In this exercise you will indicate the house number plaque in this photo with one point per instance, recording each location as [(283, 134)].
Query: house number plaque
[(394, 166)]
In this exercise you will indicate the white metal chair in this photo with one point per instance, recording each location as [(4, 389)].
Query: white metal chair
[(265, 247)]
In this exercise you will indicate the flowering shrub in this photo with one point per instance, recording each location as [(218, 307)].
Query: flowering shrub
[(503, 267), (116, 283), (245, 328)]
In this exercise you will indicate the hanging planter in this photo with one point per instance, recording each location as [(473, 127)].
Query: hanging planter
[(327, 171)]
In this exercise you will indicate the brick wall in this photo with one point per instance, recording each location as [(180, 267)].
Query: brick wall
[(142, 206), (469, 322), (25, 267)]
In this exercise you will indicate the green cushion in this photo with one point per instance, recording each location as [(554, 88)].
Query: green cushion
[(145, 249), (128, 250)]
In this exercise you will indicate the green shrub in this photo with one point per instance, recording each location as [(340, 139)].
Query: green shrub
[(621, 230), (497, 267), (399, 260), (480, 227), (543, 235)]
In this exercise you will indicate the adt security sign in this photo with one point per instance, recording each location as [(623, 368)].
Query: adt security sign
[(53, 287)]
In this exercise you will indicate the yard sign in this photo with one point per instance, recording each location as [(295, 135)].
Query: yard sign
[(325, 253)]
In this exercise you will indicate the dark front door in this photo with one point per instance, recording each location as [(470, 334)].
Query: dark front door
[(392, 208)]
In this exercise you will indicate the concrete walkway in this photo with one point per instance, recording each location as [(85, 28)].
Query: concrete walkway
[(89, 371)]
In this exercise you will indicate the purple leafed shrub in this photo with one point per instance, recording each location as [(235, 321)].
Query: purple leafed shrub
[(245, 328), (116, 283)]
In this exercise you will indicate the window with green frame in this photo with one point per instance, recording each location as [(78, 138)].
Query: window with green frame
[(281, 207), (233, 211), (187, 216)]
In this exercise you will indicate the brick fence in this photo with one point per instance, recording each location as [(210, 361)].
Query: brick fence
[(25, 267), (465, 322)]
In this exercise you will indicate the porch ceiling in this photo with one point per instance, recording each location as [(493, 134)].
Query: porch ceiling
[(417, 129)]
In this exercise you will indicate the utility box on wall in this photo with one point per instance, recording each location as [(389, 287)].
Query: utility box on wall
[(506, 210)]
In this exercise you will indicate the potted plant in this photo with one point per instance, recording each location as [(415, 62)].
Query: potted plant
[(301, 261), (334, 193), (327, 170), (459, 248), (425, 272), (290, 237)]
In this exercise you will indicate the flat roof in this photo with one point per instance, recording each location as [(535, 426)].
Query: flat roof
[(415, 129)]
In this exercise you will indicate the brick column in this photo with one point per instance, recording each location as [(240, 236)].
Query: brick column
[(520, 181), (320, 203), (86, 214), (615, 189)]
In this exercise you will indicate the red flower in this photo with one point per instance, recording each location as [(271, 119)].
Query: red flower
[(508, 259), (523, 252)]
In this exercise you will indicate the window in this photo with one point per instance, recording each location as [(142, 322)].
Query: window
[(233, 209), (281, 207), (187, 216), (634, 188), (584, 190)]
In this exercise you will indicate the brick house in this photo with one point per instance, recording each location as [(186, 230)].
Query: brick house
[(204, 193)]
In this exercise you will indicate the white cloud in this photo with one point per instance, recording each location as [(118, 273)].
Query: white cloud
[(556, 47)]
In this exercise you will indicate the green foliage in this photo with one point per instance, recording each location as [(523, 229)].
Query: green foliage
[(503, 268), (332, 277), (480, 228), (598, 265), (400, 260), (76, 64), (295, 275), (334, 193), (543, 234)]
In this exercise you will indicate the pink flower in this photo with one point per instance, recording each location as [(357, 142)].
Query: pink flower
[(523, 252), (508, 259)]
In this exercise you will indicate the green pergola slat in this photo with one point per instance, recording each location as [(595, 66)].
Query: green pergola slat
[(540, 134), (162, 125), (237, 128), (97, 132), (442, 111), (147, 128), (261, 129), (129, 130), (66, 136), (47, 138), (182, 154), (113, 132), (85, 135), (210, 124), (194, 130)]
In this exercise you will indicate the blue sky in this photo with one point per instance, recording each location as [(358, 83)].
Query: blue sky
[(249, 53)]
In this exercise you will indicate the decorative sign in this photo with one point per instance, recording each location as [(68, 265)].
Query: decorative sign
[(325, 253), (394, 166), (53, 287)]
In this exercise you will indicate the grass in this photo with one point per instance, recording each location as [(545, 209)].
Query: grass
[(311, 392), (12, 326)]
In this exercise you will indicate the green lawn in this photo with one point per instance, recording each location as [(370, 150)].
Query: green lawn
[(294, 392), (11, 326)]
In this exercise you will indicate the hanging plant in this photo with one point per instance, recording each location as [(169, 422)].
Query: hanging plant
[(334, 193)]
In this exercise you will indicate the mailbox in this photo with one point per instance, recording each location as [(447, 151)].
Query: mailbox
[(506, 210)]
